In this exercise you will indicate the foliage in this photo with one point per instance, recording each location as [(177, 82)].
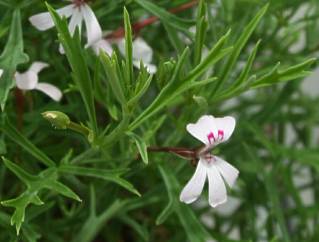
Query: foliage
[(96, 179)]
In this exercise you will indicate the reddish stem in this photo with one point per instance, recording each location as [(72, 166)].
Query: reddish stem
[(184, 152), (19, 107), (136, 27)]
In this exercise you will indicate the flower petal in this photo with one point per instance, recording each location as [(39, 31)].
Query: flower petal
[(38, 66), (27, 80), (102, 45), (93, 28), (195, 186), (76, 21), (43, 21), (142, 51), (227, 125), (1, 72), (204, 129), (50, 90), (217, 193), (150, 67), (228, 172)]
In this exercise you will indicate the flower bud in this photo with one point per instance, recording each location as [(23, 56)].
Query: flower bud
[(58, 119)]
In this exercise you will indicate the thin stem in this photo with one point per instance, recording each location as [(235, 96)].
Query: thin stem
[(138, 26), (20, 101), (187, 153), (79, 128)]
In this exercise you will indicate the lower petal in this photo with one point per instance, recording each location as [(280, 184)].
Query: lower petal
[(149, 67), (217, 193), (50, 90), (195, 186), (228, 172), (93, 28), (102, 45)]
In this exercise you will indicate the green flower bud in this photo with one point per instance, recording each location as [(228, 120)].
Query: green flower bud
[(58, 119)]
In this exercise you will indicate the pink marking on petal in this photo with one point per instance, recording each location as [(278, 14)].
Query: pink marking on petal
[(220, 134), (211, 136)]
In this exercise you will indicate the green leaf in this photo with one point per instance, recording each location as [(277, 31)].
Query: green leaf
[(63, 190), (45, 180), (164, 16), (288, 74), (11, 57), (128, 47), (110, 70), (108, 175), (75, 55), (141, 146), (135, 225), (201, 27), (239, 45), (20, 173), (214, 55), (244, 81), (141, 90), (21, 140)]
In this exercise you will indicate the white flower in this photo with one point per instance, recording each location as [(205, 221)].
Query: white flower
[(102, 45), (211, 131), (29, 81), (141, 51), (79, 11)]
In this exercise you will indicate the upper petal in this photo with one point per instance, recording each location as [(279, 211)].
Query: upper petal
[(195, 186), (228, 172), (217, 193), (204, 129), (93, 28), (43, 21), (38, 66), (50, 90), (27, 80), (226, 125)]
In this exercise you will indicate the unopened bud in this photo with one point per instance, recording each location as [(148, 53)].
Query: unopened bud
[(58, 119)]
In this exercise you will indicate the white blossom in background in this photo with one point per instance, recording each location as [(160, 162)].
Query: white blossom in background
[(29, 81), (78, 11), (211, 131), (141, 51)]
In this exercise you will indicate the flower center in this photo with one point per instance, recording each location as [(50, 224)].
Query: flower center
[(79, 3), (208, 159)]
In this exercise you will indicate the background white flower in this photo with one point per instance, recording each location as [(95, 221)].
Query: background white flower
[(141, 51), (211, 131), (79, 11), (29, 81)]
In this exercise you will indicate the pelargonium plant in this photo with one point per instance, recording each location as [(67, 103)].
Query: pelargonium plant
[(98, 99)]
